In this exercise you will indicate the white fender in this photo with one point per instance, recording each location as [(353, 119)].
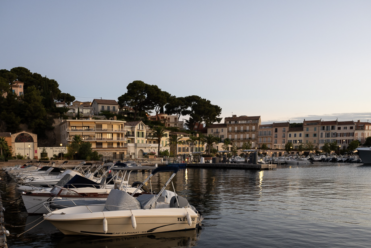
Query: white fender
[(105, 225), (133, 221), (189, 219)]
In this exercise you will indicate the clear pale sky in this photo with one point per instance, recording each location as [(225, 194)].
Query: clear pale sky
[(283, 60)]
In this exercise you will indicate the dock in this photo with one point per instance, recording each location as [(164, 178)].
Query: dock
[(243, 166), (3, 231)]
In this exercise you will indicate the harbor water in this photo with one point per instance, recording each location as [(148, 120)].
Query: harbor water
[(320, 205)]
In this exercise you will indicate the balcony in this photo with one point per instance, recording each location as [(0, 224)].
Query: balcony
[(93, 129), (98, 139)]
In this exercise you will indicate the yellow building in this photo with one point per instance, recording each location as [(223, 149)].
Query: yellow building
[(106, 136)]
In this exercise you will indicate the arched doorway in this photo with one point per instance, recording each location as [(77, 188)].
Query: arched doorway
[(140, 154), (24, 145)]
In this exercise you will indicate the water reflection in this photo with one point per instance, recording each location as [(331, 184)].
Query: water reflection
[(171, 239), (320, 205)]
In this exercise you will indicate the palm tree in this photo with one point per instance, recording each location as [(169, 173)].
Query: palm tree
[(227, 142), (192, 141), (210, 140), (200, 139), (157, 133), (174, 140)]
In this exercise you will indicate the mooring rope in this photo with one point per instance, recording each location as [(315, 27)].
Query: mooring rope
[(26, 224), (18, 235)]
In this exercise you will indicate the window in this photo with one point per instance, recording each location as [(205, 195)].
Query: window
[(108, 108), (315, 129), (294, 135), (247, 128), (307, 129), (13, 91), (110, 145), (179, 149), (102, 108), (118, 144), (247, 136), (332, 127), (289, 135), (109, 135), (114, 108), (230, 128), (73, 128), (212, 130), (235, 128), (283, 141), (350, 127), (99, 145), (275, 135), (323, 128), (314, 135), (20, 93), (275, 141), (284, 129), (253, 136), (299, 134), (253, 128), (275, 130), (339, 128), (222, 130), (230, 136), (306, 135), (345, 128)]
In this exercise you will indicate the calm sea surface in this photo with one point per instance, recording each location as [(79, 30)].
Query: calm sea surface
[(322, 205)]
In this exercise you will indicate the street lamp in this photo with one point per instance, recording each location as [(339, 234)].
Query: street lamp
[(29, 152), (61, 150)]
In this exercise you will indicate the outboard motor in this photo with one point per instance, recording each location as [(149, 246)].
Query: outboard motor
[(178, 202)]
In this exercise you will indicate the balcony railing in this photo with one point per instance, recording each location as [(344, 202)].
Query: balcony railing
[(98, 139), (94, 130)]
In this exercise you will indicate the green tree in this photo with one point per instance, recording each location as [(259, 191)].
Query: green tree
[(234, 149), (246, 145), (210, 140), (174, 140), (334, 146), (353, 145), (326, 148), (309, 146), (227, 143), (157, 98), (65, 97), (288, 146), (3, 145), (367, 142), (176, 106), (264, 147), (35, 114), (136, 98), (158, 132), (300, 148)]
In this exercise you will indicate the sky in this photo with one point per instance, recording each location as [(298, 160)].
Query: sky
[(281, 60)]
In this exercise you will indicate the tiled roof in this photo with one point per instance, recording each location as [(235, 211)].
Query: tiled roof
[(324, 123), (103, 101), (243, 118), (132, 123), (5, 134), (217, 125), (346, 123), (281, 124), (86, 104), (295, 129)]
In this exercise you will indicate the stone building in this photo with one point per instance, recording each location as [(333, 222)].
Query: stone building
[(243, 129)]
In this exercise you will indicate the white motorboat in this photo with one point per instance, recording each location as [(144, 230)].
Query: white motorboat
[(238, 159), (365, 154), (77, 191), (124, 215), (298, 161)]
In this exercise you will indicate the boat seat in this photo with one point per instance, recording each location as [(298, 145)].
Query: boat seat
[(183, 202), (146, 200), (120, 200)]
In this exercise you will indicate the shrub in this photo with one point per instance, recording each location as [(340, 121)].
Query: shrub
[(19, 156)]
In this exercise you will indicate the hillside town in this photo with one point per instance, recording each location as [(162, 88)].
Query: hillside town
[(97, 123)]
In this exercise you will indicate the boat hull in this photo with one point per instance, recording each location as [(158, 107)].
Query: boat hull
[(365, 155), (120, 223)]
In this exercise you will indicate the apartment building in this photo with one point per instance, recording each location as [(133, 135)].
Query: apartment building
[(243, 129), (100, 105), (185, 146), (265, 135), (140, 140), (84, 109), (218, 130), (168, 120), (295, 136), (280, 131), (106, 136), (345, 133), (311, 132), (362, 131), (17, 88), (328, 132)]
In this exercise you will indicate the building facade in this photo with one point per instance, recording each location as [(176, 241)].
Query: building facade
[(295, 136), (243, 129), (362, 131), (265, 135), (311, 132), (280, 131), (218, 130), (168, 120), (100, 105)]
